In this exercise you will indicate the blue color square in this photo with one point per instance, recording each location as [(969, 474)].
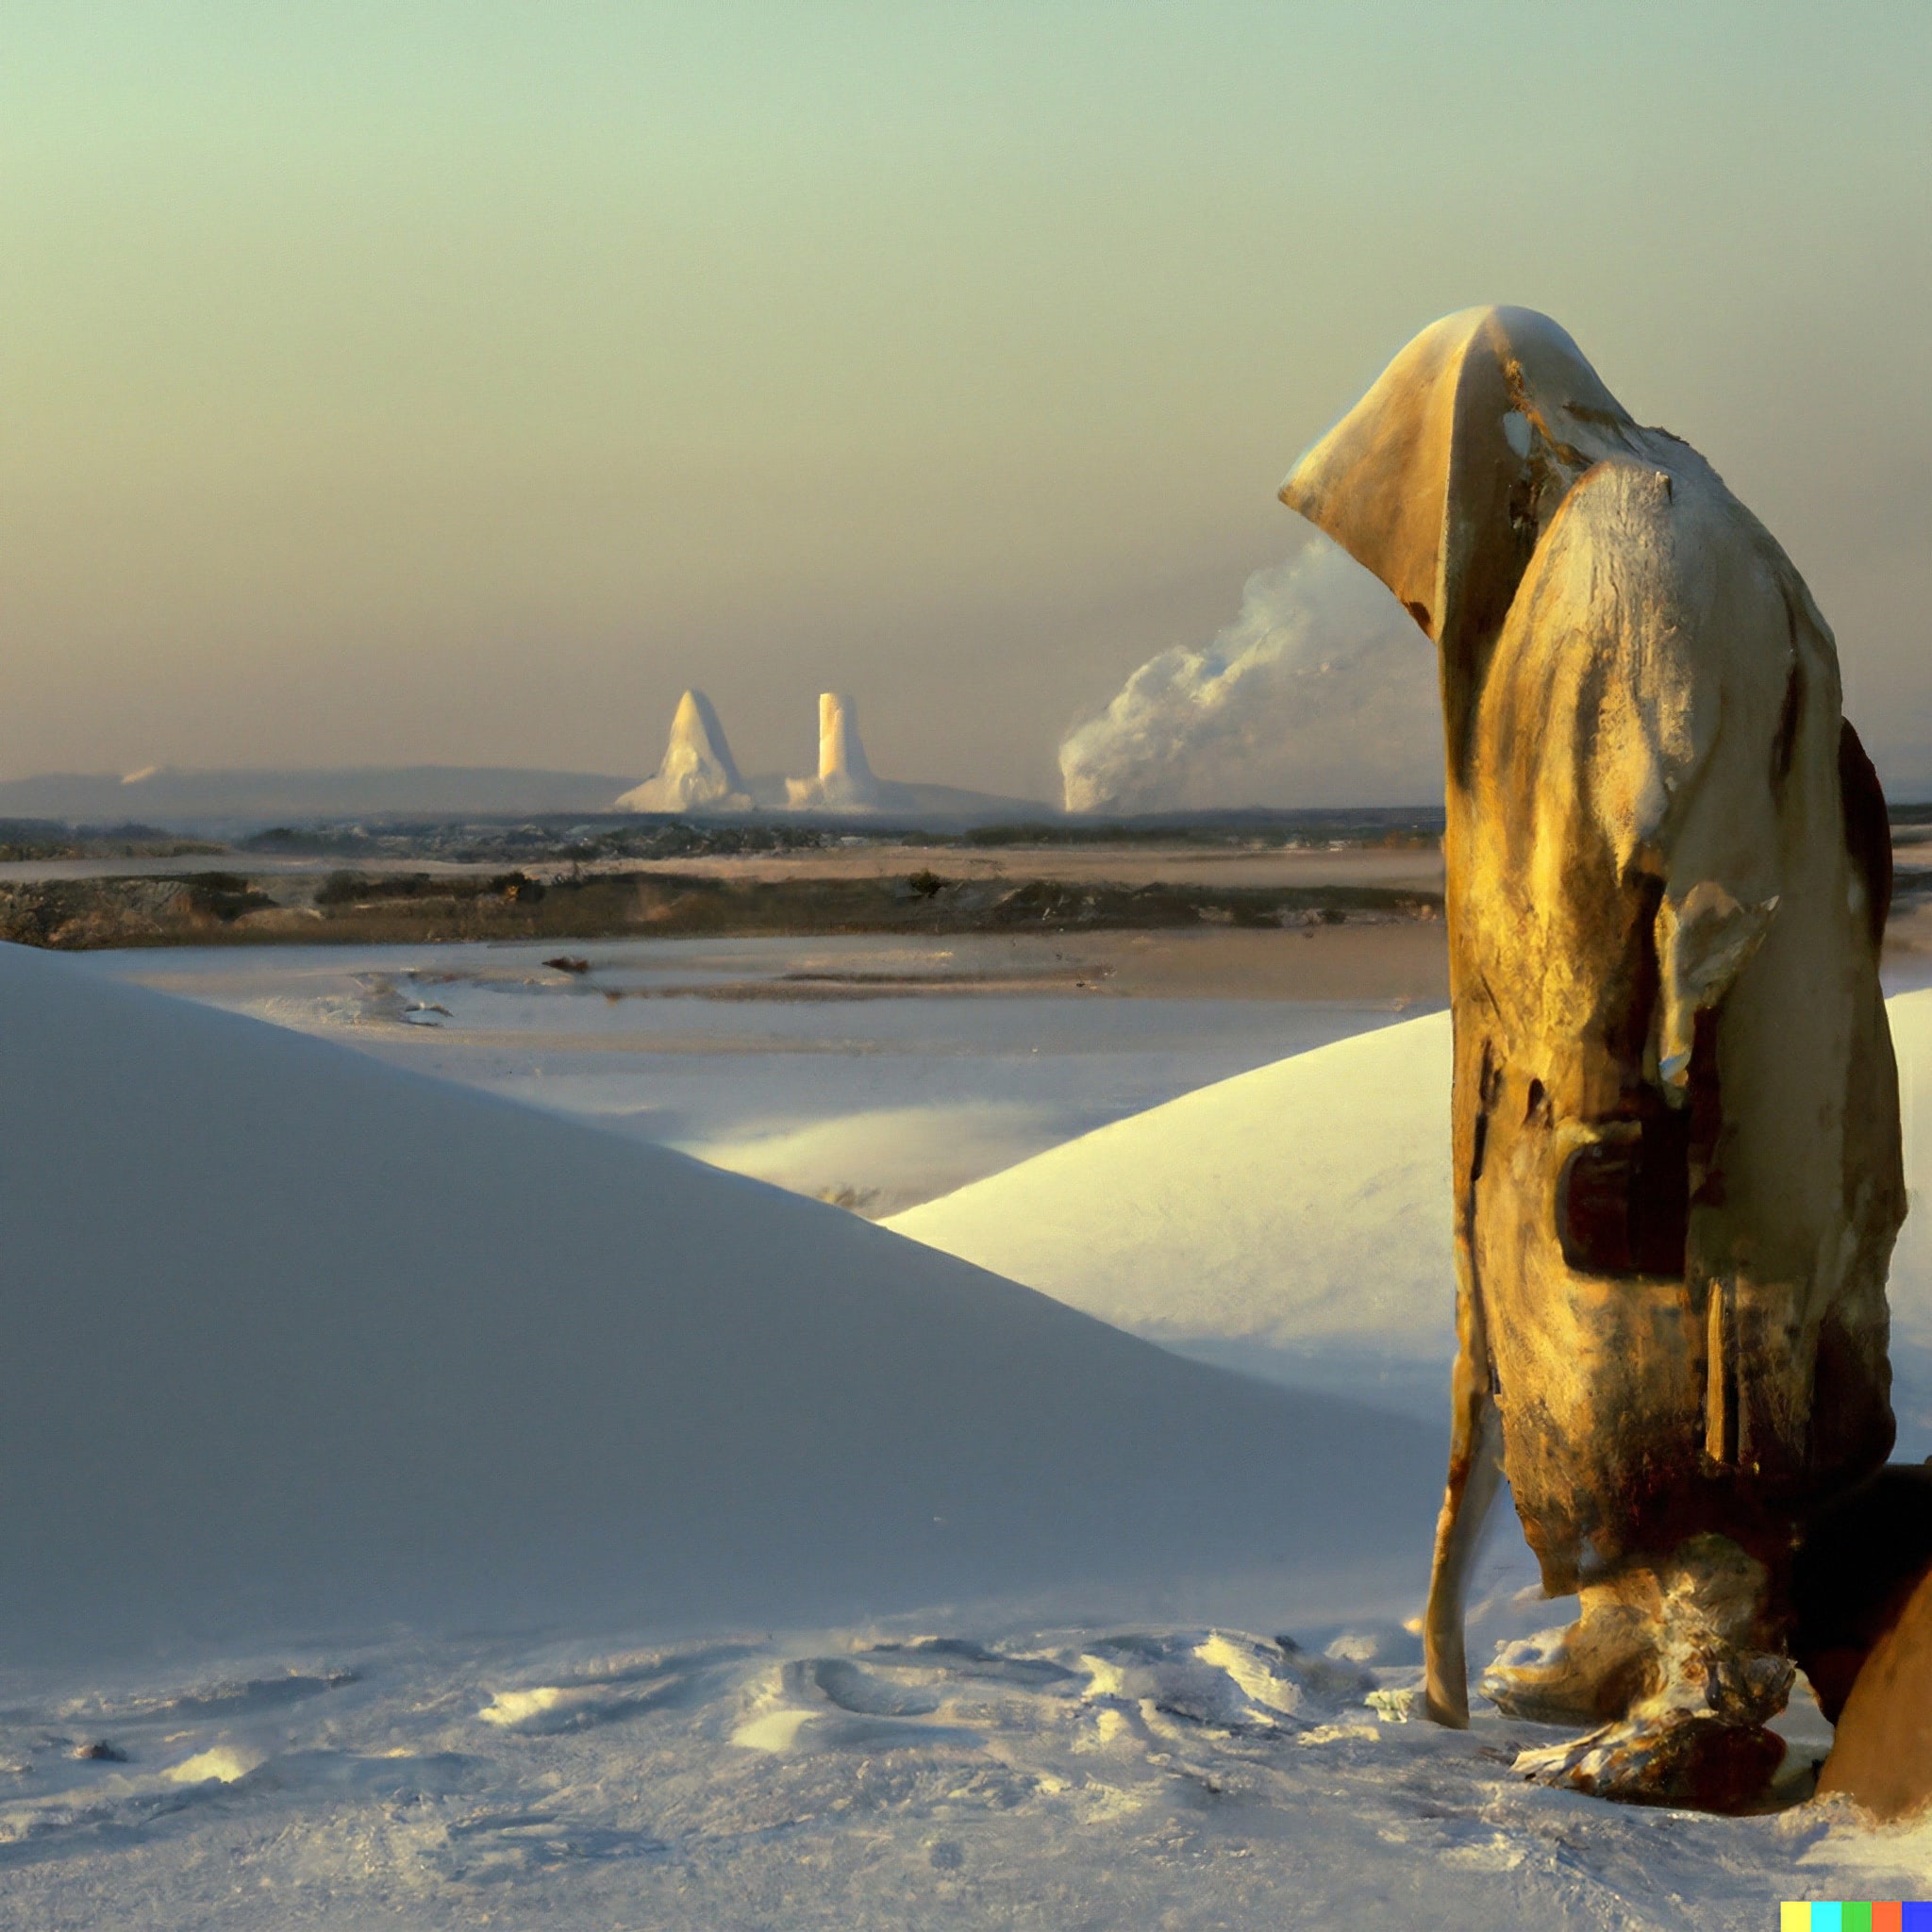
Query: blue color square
[(1915, 1917)]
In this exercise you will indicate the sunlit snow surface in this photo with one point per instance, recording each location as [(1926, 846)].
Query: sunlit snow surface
[(1294, 1222), (960, 1769)]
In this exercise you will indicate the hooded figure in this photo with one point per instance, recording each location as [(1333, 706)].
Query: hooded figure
[(1676, 1111)]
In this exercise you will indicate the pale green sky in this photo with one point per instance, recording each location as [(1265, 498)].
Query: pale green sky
[(392, 383)]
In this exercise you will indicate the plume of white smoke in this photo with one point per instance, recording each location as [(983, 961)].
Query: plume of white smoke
[(1322, 692)]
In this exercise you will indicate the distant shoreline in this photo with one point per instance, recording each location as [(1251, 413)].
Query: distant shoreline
[(575, 880)]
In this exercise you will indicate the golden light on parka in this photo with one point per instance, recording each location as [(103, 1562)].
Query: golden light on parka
[(1675, 1116)]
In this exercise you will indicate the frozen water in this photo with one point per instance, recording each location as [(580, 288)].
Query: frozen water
[(869, 1071)]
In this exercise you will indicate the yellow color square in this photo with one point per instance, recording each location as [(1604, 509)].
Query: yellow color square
[(1794, 1918)]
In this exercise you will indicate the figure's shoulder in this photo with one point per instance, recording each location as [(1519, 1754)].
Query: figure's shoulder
[(1623, 538), (1657, 534), (1622, 498), (1664, 508), (1653, 579)]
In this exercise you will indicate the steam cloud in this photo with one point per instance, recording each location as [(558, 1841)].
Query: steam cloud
[(1322, 692)]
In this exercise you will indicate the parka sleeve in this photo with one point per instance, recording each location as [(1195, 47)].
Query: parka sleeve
[(1699, 675)]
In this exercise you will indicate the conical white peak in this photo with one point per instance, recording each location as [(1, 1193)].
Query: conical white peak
[(697, 771)]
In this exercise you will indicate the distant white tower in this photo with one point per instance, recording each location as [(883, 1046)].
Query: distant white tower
[(844, 781), (697, 773)]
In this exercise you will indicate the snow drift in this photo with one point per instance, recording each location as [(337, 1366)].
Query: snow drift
[(1294, 1222), (300, 1342), (1322, 692)]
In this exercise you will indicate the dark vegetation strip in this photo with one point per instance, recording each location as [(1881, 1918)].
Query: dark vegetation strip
[(230, 908), (587, 841), (40, 839)]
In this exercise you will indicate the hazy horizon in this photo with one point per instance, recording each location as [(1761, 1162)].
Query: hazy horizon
[(456, 384)]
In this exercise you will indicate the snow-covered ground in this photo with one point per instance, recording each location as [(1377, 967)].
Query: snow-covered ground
[(1104, 1777), (425, 1509)]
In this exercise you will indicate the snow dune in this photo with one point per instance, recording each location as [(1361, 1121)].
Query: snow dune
[(299, 1342), (1294, 1222)]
